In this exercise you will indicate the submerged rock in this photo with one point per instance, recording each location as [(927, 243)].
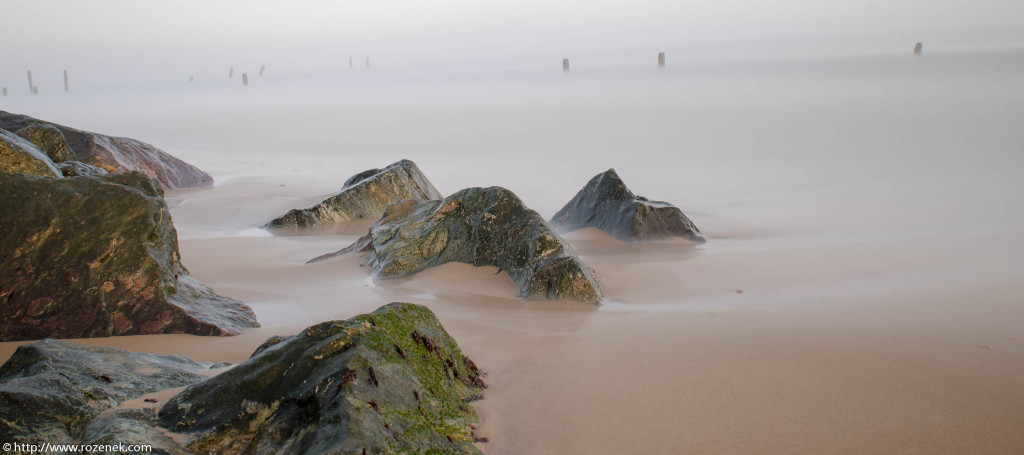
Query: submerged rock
[(605, 203), (113, 154), (392, 381), (479, 226), (55, 392), (364, 196), (18, 155), (98, 256)]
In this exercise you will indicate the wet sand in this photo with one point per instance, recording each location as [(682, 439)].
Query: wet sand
[(848, 358), (859, 293)]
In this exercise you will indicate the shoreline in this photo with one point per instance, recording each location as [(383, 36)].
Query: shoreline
[(801, 353)]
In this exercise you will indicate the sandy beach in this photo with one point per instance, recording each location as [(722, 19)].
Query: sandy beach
[(860, 290)]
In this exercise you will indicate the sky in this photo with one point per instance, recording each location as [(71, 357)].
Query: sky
[(132, 37)]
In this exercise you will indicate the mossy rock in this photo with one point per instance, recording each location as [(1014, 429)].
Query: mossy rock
[(607, 204), (18, 155), (110, 153), (49, 139), (392, 381), (479, 226), (364, 196), (98, 256)]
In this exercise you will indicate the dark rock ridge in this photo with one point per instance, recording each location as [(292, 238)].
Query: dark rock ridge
[(98, 256), (113, 154), (364, 196), (392, 381), (63, 393), (606, 203), (78, 168), (479, 226)]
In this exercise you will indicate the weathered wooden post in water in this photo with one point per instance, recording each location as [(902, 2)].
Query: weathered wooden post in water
[(245, 78), (65, 80), (565, 65), (367, 62), (661, 59), (5, 91), (917, 48), (31, 86), (231, 73), (262, 69)]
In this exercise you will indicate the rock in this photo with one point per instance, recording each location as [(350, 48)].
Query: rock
[(78, 168), (113, 154), (98, 256), (130, 426), (364, 196), (392, 381), (54, 391), (480, 226), (49, 139), (606, 203), (18, 155)]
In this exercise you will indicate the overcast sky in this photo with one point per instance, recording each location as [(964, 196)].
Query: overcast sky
[(49, 34)]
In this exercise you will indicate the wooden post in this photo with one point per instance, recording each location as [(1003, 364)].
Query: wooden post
[(5, 91), (231, 73), (565, 65), (661, 59), (65, 80), (245, 78), (917, 48), (350, 63), (191, 78), (262, 69), (367, 62), (31, 86)]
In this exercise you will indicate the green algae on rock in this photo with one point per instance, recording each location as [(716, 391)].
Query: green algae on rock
[(113, 154), (479, 226), (98, 256), (49, 139), (55, 391), (607, 204), (363, 196), (392, 381), (18, 155)]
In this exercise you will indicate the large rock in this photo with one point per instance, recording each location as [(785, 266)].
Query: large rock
[(113, 154), (479, 226), (61, 393), (364, 196), (98, 256), (392, 381), (18, 155), (606, 203)]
